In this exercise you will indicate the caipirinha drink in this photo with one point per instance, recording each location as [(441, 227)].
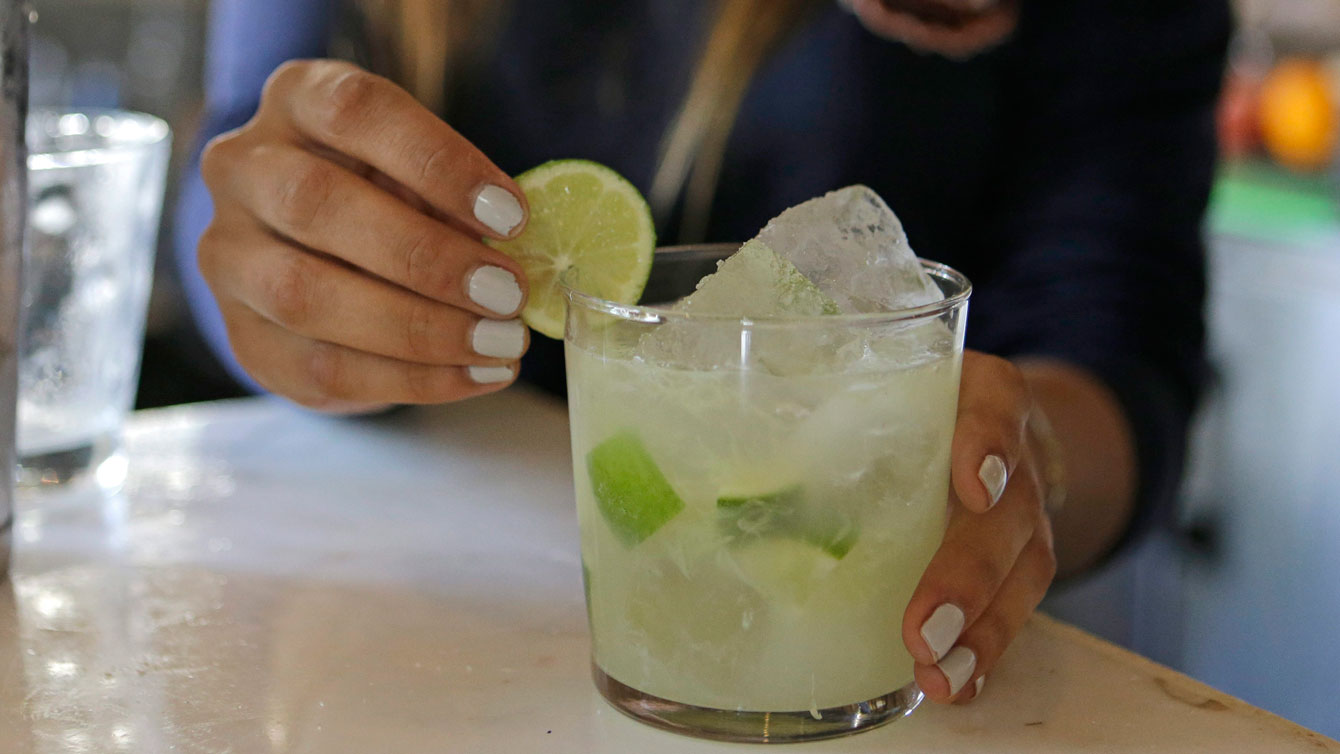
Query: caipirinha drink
[(750, 540), (760, 455)]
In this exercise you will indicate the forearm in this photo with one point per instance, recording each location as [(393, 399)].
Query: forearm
[(1097, 450)]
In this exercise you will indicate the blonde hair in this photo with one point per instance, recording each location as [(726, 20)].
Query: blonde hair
[(431, 40), (422, 44)]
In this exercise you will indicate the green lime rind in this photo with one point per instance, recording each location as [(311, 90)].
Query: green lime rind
[(785, 512), (831, 534), (788, 496), (586, 218), (632, 494)]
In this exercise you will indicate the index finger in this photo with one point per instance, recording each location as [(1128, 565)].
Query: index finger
[(369, 118)]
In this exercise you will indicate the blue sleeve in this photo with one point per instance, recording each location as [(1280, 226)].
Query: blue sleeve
[(247, 40), (1101, 254)]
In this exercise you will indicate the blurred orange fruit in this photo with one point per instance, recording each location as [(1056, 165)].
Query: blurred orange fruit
[(1298, 114)]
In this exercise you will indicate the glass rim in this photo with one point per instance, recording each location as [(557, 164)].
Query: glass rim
[(119, 134), (653, 314)]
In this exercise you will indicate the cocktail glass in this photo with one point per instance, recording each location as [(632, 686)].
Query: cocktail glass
[(757, 501)]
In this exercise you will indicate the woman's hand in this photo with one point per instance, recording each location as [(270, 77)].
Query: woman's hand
[(996, 561), (953, 28), (345, 247)]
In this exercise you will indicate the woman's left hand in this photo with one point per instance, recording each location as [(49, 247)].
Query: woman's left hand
[(996, 561)]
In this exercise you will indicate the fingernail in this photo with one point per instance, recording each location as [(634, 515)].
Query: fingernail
[(957, 667), (941, 630), (490, 375), (993, 475), (499, 338), (497, 208), (977, 686), (495, 289)]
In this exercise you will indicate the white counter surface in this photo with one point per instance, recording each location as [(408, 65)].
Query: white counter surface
[(273, 581)]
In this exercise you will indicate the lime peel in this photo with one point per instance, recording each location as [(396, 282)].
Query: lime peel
[(784, 512)]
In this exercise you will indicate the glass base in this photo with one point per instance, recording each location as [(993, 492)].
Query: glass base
[(756, 727), (98, 462)]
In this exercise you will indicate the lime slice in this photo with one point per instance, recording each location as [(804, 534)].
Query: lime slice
[(785, 513), (783, 569), (631, 492), (787, 496), (584, 217), (833, 533)]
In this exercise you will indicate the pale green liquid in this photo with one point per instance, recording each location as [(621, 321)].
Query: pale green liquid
[(716, 618)]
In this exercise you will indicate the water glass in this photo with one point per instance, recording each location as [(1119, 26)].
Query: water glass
[(95, 194)]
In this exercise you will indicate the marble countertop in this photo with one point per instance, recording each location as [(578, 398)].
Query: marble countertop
[(274, 581)]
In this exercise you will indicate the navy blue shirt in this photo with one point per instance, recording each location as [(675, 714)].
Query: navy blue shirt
[(1065, 172)]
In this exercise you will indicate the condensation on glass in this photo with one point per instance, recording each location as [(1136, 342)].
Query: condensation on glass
[(14, 18)]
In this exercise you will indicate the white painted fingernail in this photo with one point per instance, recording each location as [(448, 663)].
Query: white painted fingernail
[(495, 289), (941, 630), (501, 339), (490, 375), (957, 667), (977, 686), (497, 208), (994, 475)]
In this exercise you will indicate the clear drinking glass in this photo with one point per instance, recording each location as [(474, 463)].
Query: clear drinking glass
[(757, 501), (95, 193), (13, 106)]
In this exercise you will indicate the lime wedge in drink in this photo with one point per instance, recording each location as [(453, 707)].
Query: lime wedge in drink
[(784, 512), (631, 493), (833, 532), (785, 497), (587, 218)]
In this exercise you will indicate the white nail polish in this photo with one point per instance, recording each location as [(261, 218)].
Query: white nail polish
[(501, 339), (495, 289), (497, 208), (977, 686), (957, 667), (941, 630), (994, 476), (490, 375)]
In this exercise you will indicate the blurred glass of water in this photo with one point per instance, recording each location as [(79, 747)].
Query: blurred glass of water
[(95, 191)]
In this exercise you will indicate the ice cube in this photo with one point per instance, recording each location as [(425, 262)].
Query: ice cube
[(842, 252), (852, 246), (755, 282)]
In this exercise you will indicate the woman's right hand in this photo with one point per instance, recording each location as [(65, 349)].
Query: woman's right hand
[(345, 247)]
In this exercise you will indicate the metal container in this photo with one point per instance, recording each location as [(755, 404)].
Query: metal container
[(14, 19)]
